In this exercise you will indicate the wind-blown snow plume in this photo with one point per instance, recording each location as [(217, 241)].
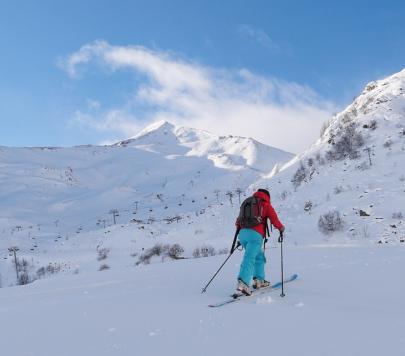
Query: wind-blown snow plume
[(186, 93)]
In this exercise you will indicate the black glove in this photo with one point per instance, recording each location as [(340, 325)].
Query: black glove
[(280, 238)]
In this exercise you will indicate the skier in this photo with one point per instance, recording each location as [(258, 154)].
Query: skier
[(252, 226)]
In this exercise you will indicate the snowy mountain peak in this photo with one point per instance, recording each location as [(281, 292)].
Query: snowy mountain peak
[(375, 114), (228, 152), (161, 126)]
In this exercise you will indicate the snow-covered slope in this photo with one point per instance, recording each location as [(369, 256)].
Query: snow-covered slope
[(228, 152), (356, 168), (162, 166), (50, 197), (347, 301)]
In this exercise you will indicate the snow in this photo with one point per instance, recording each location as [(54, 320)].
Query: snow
[(170, 186), (347, 301)]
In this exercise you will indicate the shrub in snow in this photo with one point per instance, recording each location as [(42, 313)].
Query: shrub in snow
[(207, 251), (51, 268), (104, 267), (223, 251), (156, 250), (175, 251), (103, 253), (330, 222), (23, 279), (345, 144), (204, 251), (197, 252), (144, 258), (397, 215), (299, 176), (22, 265), (41, 272)]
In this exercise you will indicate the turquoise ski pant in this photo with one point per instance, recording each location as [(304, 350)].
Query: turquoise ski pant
[(254, 259)]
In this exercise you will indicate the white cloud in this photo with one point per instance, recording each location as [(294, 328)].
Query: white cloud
[(114, 121), (282, 114)]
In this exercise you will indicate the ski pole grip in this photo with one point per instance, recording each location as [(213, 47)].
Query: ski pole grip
[(280, 238)]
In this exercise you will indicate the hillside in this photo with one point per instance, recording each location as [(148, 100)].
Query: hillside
[(56, 202), (355, 170)]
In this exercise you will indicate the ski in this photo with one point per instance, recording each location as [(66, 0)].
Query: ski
[(255, 293)]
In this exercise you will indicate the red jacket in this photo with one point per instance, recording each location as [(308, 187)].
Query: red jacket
[(268, 213)]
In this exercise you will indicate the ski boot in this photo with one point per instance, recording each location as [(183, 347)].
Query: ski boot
[(260, 283), (242, 287)]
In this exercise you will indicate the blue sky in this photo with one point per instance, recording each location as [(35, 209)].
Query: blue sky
[(317, 53)]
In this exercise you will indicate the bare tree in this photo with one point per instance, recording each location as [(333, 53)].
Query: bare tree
[(299, 176), (345, 144), (216, 192)]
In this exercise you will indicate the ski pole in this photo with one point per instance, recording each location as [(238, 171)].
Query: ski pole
[(233, 248), (234, 245), (280, 240)]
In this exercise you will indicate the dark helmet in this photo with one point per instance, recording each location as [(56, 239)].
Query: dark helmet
[(265, 191)]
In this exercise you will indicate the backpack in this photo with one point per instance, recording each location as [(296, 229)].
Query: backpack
[(251, 211)]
